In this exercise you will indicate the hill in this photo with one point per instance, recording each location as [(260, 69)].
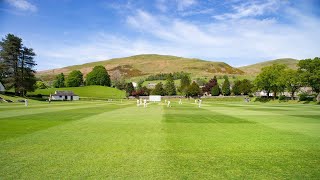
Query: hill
[(147, 64), (86, 92), (256, 68)]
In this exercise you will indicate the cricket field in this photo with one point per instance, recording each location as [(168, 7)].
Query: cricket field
[(118, 140)]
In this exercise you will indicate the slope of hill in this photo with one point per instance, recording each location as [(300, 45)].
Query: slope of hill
[(86, 91), (256, 68), (147, 64)]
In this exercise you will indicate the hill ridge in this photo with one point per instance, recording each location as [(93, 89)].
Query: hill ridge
[(147, 64)]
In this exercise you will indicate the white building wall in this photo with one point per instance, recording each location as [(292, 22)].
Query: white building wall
[(2, 89), (58, 98)]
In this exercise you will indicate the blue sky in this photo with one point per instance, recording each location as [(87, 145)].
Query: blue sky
[(68, 32)]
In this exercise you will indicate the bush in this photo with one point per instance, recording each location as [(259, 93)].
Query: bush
[(282, 98), (306, 97), (250, 95)]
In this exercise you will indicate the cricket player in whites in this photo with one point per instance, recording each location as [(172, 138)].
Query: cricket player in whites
[(169, 104), (145, 103), (180, 101), (138, 103), (200, 101)]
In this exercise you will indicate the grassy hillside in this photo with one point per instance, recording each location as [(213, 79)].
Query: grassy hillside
[(143, 65), (256, 68), (86, 91)]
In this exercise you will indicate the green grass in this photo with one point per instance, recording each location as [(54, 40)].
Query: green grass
[(99, 140), (86, 91)]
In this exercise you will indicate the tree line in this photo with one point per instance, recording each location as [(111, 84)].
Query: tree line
[(164, 76), (279, 78), (98, 76)]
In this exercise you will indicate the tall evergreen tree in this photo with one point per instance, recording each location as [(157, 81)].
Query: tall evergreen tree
[(215, 90), (226, 87), (184, 83), (16, 65), (194, 90), (170, 88), (236, 88), (11, 46), (158, 90), (27, 79)]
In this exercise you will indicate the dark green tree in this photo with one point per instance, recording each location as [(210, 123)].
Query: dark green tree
[(236, 88), (158, 90), (59, 81), (129, 88), (16, 65), (246, 86), (170, 88), (75, 79), (98, 76), (184, 83), (193, 90), (215, 90), (310, 74), (226, 87)]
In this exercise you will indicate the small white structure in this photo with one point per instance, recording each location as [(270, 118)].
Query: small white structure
[(155, 98), (151, 85), (2, 89), (134, 84), (64, 96)]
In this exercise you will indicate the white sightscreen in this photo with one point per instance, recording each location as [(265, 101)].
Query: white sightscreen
[(155, 98)]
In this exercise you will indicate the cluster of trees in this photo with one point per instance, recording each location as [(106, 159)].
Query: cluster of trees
[(169, 89), (278, 78), (98, 76), (164, 76), (240, 87), (17, 65)]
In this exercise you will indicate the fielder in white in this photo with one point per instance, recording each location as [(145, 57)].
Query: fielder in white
[(145, 103), (138, 102), (169, 104), (200, 101), (26, 102), (180, 101)]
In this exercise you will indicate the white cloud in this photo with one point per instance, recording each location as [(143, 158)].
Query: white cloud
[(183, 4), (251, 9), (236, 41), (161, 5), (23, 5)]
